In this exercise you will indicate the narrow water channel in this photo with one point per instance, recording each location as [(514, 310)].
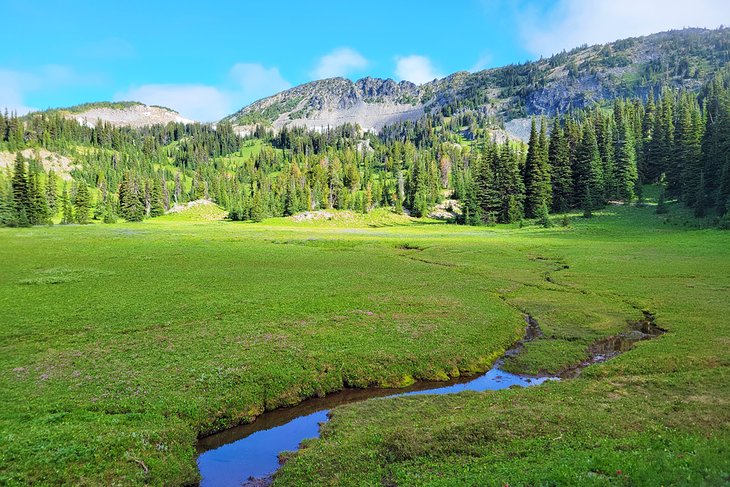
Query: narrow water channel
[(233, 456), (249, 454)]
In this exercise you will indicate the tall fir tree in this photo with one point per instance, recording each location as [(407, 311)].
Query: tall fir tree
[(625, 177), (51, 193), (21, 196), (537, 175), (157, 203), (588, 170), (82, 204), (561, 174), (67, 215), (7, 212)]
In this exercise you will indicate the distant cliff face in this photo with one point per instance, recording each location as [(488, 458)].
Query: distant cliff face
[(581, 77), (369, 102)]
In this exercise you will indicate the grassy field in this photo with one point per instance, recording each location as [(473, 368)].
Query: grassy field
[(122, 343)]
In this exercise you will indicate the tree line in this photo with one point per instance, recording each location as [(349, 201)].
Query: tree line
[(580, 160)]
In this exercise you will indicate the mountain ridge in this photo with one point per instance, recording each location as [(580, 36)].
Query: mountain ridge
[(578, 78)]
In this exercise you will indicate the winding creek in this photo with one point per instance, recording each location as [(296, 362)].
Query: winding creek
[(249, 454)]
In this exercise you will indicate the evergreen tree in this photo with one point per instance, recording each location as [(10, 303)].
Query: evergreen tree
[(485, 184), (157, 203), (257, 210), (7, 211), (684, 172), (543, 217), (51, 193), (626, 174), (701, 203), (661, 207), (560, 169), (39, 213), (662, 144), (82, 204), (21, 196), (537, 175), (131, 199), (109, 214), (471, 213), (178, 188), (587, 202), (588, 173), (66, 208), (605, 139)]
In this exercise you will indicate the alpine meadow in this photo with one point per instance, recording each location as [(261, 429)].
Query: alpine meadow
[(511, 276)]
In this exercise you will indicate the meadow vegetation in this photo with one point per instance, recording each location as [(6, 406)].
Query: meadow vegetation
[(123, 343)]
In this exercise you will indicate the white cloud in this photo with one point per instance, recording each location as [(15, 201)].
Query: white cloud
[(199, 102), (417, 69), (256, 81), (571, 23), (340, 62), (15, 85), (246, 82), (482, 63)]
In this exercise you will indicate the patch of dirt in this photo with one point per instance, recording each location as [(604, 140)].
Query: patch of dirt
[(318, 215), (51, 160)]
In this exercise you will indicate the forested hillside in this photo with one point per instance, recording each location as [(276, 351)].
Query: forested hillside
[(581, 158)]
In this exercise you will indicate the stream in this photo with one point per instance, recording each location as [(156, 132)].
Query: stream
[(249, 454)]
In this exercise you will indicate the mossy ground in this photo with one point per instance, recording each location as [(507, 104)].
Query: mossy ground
[(122, 343)]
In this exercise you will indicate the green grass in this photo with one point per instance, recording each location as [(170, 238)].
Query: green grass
[(122, 343), (250, 149), (657, 415)]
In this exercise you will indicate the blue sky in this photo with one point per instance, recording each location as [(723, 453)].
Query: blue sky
[(208, 59)]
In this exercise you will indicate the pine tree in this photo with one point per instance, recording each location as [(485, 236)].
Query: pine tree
[(486, 185), (39, 213), (109, 214), (51, 193), (645, 169), (684, 172), (7, 212), (21, 197), (543, 216), (66, 208), (587, 202), (701, 203), (471, 213), (398, 206), (178, 188), (157, 204), (626, 174), (722, 200), (257, 210), (560, 171), (605, 138), (131, 199), (663, 140), (587, 172), (661, 207), (537, 175), (82, 204), (509, 185)]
